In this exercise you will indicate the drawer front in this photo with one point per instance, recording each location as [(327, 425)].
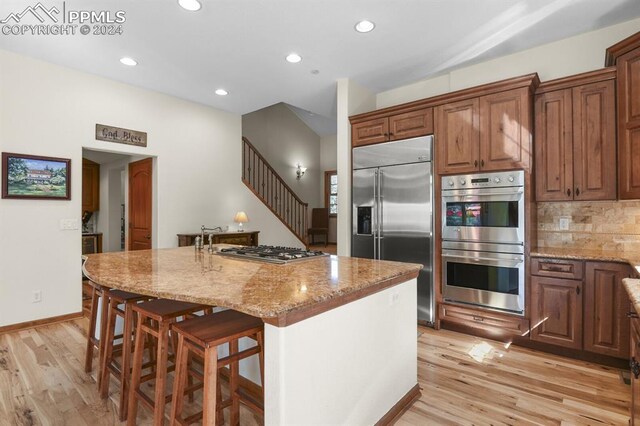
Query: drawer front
[(557, 268), (243, 240), (485, 320)]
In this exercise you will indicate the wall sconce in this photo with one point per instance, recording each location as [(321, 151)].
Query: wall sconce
[(300, 171)]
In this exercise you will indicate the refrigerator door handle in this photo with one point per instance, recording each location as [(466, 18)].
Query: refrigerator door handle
[(380, 214), (375, 215)]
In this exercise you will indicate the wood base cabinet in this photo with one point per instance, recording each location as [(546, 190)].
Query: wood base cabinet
[(556, 311), (606, 326), (634, 364)]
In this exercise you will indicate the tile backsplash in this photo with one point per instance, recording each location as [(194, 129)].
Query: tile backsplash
[(607, 225)]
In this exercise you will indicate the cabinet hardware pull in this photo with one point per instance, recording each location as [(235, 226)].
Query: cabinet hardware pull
[(635, 367), (481, 163), (577, 192), (475, 163), (480, 319), (578, 290), (632, 314), (568, 192), (386, 135), (390, 133)]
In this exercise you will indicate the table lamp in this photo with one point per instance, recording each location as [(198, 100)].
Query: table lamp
[(240, 218)]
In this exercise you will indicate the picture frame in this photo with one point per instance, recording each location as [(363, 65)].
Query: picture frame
[(35, 177)]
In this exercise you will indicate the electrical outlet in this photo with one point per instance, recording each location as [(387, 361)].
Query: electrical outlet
[(37, 296), (564, 223), (69, 224)]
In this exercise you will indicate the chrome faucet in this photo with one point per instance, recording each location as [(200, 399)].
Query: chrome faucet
[(208, 231)]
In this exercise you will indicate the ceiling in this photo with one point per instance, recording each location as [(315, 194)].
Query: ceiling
[(240, 45)]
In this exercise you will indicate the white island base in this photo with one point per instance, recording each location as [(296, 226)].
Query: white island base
[(348, 366)]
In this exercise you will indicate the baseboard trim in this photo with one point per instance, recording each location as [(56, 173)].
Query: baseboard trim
[(400, 407), (37, 323)]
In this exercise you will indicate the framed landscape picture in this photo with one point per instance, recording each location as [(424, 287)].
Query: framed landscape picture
[(35, 177)]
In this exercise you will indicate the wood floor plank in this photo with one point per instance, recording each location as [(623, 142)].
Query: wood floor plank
[(465, 381)]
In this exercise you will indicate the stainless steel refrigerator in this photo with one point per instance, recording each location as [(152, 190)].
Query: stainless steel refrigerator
[(392, 199)]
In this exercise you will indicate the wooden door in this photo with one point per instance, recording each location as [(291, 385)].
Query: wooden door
[(505, 130), (411, 124), (457, 136), (628, 89), (635, 381), (370, 132), (90, 186), (594, 141), (140, 204), (606, 326), (556, 311), (554, 146)]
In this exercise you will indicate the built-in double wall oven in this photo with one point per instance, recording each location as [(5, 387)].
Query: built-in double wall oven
[(483, 240)]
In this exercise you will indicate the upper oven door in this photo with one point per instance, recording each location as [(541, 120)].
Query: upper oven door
[(491, 215)]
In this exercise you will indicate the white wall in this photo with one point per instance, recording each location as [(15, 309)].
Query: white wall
[(581, 53), (329, 161), (285, 140), (351, 99), (50, 110)]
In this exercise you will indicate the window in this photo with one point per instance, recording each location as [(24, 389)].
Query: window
[(331, 191)]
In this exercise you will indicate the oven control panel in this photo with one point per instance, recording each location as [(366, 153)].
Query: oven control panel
[(484, 180)]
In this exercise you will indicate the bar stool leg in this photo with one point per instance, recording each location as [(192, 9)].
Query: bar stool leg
[(209, 399), (136, 374), (178, 387), (88, 362), (260, 340), (234, 367), (104, 304), (161, 372), (126, 360), (108, 349)]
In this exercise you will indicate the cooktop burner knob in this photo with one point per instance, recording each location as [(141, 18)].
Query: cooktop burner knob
[(510, 178), (497, 180), (463, 182), (451, 182)]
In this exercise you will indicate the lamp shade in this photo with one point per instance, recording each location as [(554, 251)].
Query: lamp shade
[(241, 217)]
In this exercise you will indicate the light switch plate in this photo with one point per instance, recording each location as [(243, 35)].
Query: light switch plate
[(563, 223), (69, 224)]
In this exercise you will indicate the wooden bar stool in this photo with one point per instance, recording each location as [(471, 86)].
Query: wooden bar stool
[(122, 370), (154, 319), (202, 336), (97, 292)]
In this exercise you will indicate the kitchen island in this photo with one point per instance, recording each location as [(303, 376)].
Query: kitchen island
[(340, 332)]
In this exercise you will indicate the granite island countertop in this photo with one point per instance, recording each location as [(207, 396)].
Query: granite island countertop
[(279, 294)]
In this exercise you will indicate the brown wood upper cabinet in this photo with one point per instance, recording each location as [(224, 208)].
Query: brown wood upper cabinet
[(394, 127), (491, 132), (626, 56), (575, 138), (90, 186)]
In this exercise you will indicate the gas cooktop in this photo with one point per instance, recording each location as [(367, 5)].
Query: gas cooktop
[(272, 254)]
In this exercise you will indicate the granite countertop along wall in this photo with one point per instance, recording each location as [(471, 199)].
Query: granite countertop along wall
[(280, 294)]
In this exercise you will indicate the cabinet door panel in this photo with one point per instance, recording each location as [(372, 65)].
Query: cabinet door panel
[(411, 124), (594, 141), (370, 132), (505, 130), (457, 136), (628, 89), (556, 311), (606, 326), (635, 383), (90, 186), (554, 146)]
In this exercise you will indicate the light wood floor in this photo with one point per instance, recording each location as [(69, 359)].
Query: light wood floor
[(42, 382)]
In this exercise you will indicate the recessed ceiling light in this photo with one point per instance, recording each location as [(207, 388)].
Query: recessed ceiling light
[(128, 61), (190, 5), (294, 58), (365, 26), (221, 92)]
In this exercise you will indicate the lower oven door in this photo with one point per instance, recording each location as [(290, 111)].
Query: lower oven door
[(491, 280)]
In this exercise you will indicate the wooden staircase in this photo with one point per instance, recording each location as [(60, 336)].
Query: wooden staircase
[(272, 190)]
